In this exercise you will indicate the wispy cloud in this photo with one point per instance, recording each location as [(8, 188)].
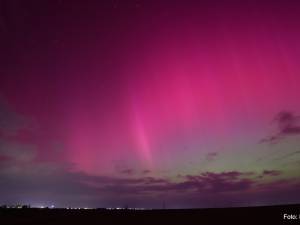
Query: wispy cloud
[(146, 172), (287, 125), (211, 156), (17, 152), (127, 171), (12, 122)]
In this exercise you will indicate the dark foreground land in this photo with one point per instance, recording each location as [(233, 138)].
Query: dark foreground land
[(247, 215)]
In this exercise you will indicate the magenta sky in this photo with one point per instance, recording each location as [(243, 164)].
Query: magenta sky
[(197, 100)]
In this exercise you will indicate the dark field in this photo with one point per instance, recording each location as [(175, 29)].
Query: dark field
[(248, 215)]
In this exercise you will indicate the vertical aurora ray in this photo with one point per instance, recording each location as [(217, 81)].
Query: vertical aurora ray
[(143, 145)]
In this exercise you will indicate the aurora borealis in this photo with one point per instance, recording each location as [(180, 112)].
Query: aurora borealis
[(113, 103)]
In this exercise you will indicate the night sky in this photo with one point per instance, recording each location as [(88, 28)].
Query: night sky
[(149, 103)]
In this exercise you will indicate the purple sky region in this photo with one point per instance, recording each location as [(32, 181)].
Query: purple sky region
[(145, 103)]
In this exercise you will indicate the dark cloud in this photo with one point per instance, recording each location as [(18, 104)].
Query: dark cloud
[(271, 173), (222, 182), (204, 183), (285, 119), (287, 124), (291, 130)]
